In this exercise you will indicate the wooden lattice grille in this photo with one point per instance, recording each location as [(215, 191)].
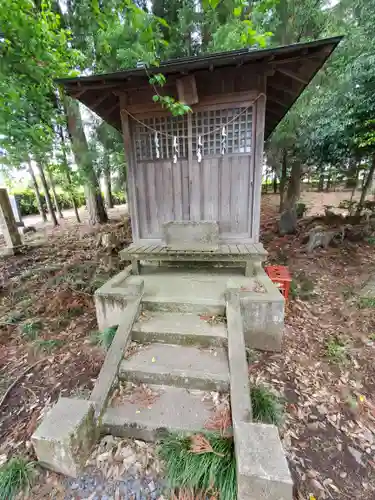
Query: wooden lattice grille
[(145, 144), (206, 124), (209, 125)]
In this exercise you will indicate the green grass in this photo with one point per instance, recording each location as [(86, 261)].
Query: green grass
[(200, 471), (372, 337), (16, 475), (31, 329), (41, 345), (336, 350), (366, 302), (105, 338), (267, 407)]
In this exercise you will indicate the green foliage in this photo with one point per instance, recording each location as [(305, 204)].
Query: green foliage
[(47, 346), (210, 471), (16, 476), (31, 329), (366, 302), (336, 350), (28, 203), (301, 209), (267, 407), (105, 338)]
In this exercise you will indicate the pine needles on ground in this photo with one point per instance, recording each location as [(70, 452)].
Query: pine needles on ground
[(203, 462), (16, 475), (267, 406)]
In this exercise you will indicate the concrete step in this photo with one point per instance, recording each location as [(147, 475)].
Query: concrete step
[(178, 328), (175, 409), (182, 366), (189, 304)]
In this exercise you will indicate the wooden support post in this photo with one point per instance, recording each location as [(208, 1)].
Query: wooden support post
[(136, 268)]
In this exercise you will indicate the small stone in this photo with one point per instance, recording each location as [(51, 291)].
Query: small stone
[(343, 475), (74, 486), (151, 486), (357, 455)]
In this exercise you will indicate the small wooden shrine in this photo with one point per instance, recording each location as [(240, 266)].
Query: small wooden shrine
[(206, 165)]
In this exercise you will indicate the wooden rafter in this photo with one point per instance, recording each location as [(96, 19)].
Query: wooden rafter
[(276, 101), (99, 101), (293, 75), (281, 88)]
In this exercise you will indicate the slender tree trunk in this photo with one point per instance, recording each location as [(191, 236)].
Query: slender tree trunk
[(294, 186), (321, 178), (352, 177), (107, 187), (54, 195), (366, 185), (94, 199), (107, 184), (67, 174), (47, 194), (274, 182), (37, 192), (72, 197), (283, 180)]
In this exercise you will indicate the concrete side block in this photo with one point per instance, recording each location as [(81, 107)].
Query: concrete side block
[(64, 439), (262, 469), (263, 320), (113, 297)]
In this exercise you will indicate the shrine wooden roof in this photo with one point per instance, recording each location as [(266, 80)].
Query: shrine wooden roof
[(289, 70)]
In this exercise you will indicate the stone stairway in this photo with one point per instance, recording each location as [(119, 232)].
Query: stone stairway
[(181, 358)]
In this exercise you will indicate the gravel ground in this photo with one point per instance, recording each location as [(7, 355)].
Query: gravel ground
[(119, 469), (128, 487)]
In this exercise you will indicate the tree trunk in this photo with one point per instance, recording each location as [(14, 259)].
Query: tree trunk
[(366, 185), (47, 194), (294, 186), (352, 177), (274, 182), (37, 192), (72, 197), (329, 179), (321, 178), (54, 195), (283, 180), (94, 199), (67, 174), (107, 184)]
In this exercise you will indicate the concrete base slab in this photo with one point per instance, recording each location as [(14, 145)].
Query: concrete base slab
[(181, 366), (64, 439), (179, 328), (174, 410), (262, 469)]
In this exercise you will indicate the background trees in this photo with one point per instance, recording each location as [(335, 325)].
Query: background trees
[(328, 134)]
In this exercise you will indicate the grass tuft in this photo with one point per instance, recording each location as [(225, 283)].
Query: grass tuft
[(105, 338), (31, 329), (336, 350), (41, 345), (267, 407), (211, 469), (366, 302), (16, 476)]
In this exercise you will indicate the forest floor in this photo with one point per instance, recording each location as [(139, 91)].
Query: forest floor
[(325, 372)]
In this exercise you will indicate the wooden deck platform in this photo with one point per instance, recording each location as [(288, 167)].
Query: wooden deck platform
[(251, 254)]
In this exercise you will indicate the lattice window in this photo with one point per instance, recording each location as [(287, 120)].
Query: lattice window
[(209, 125), (146, 145)]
